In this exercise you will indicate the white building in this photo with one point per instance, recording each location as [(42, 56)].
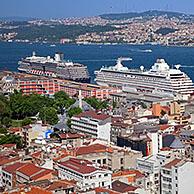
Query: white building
[(177, 177), (156, 141), (86, 174), (96, 125), (151, 165)]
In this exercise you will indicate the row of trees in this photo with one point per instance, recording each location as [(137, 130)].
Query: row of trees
[(22, 107)]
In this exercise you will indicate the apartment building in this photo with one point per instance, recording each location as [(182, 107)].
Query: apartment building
[(151, 166), (112, 157), (96, 125), (29, 84), (86, 173), (177, 177)]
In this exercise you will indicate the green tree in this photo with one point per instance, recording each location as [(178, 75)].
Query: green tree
[(96, 103), (16, 104), (10, 138), (74, 111), (26, 121), (23, 106), (3, 130), (6, 121), (49, 115), (62, 100), (4, 109)]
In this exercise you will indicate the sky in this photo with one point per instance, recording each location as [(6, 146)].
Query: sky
[(82, 8)]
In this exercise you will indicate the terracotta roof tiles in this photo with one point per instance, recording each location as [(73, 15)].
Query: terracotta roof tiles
[(93, 115), (122, 187), (95, 148), (79, 165), (13, 167), (172, 163)]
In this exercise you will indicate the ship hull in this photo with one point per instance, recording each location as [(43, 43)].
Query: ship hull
[(55, 67), (81, 80)]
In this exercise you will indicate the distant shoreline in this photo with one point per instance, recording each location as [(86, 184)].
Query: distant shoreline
[(52, 44)]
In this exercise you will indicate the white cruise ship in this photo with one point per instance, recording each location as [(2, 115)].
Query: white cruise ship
[(159, 80)]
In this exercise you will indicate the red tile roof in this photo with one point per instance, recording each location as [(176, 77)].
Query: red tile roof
[(135, 173), (13, 167), (71, 135), (29, 169), (33, 171), (79, 165), (11, 145), (95, 148), (122, 187), (61, 184), (7, 160), (107, 191), (30, 190), (42, 173), (172, 163), (15, 129), (36, 154), (94, 115)]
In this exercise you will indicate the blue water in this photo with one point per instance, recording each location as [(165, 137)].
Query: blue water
[(95, 56)]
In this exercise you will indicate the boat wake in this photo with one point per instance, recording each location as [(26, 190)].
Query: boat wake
[(187, 66), (94, 60), (141, 50)]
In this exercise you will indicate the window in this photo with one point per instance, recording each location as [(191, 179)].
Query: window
[(104, 161), (121, 160)]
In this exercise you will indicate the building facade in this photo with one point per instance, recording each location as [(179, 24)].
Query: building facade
[(96, 125), (177, 177), (87, 175)]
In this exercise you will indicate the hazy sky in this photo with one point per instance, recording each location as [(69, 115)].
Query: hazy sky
[(70, 8)]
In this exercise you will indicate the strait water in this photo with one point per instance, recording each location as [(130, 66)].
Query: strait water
[(95, 56)]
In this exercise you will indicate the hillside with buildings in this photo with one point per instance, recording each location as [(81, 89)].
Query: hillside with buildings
[(131, 28)]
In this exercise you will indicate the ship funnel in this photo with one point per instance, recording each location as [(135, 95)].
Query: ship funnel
[(59, 57), (119, 65), (177, 66), (142, 68)]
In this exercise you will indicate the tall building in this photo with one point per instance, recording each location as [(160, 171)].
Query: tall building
[(96, 125), (177, 177)]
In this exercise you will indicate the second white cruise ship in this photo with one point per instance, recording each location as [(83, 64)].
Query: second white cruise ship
[(160, 79)]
